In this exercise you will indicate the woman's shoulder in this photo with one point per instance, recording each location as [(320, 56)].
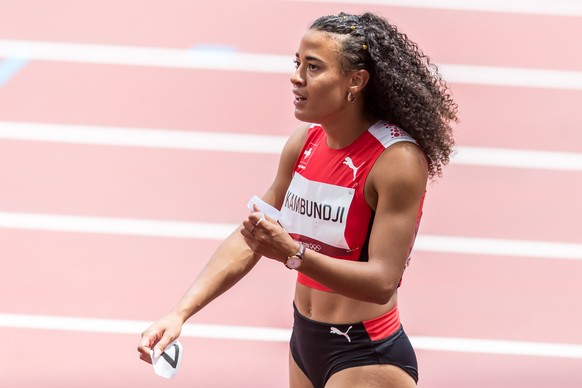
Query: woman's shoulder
[(295, 143), (401, 165), (299, 135), (389, 134)]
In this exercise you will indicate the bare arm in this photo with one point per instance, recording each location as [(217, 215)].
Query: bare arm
[(395, 189), (234, 259), (230, 263)]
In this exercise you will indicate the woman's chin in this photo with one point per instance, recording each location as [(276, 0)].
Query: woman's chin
[(303, 116)]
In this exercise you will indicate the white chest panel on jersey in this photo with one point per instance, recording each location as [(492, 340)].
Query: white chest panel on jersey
[(317, 210)]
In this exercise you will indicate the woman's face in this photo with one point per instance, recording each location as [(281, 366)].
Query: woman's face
[(319, 84)]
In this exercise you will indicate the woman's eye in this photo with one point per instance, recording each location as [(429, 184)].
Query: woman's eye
[(310, 66)]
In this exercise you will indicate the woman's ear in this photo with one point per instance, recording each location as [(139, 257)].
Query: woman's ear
[(359, 80)]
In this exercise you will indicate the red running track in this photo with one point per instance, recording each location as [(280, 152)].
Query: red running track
[(135, 279)]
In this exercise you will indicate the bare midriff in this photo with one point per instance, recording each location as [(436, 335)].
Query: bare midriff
[(323, 306)]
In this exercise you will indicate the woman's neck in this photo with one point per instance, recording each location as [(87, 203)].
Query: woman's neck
[(342, 133)]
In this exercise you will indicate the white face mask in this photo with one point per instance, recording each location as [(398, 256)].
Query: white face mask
[(167, 364)]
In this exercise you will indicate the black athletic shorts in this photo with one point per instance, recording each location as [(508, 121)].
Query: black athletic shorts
[(322, 349)]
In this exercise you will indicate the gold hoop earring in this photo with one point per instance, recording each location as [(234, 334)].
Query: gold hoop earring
[(351, 97)]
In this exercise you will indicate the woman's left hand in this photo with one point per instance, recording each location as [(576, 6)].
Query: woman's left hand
[(267, 238)]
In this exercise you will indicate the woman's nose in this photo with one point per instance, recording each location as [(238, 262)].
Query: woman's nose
[(296, 78)]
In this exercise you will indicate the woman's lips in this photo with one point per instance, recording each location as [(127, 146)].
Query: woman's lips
[(299, 99)]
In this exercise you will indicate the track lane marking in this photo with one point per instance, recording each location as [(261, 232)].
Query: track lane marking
[(269, 334), (219, 231), (265, 63), (572, 8), (259, 144)]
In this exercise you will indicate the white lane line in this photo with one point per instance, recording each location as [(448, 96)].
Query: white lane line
[(263, 63), (514, 158), (537, 7), (512, 76), (116, 226), (145, 56), (114, 326), (248, 143), (216, 231), (250, 333), (498, 247), (517, 348), (139, 137)]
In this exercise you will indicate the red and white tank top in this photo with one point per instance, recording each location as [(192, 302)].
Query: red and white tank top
[(324, 207)]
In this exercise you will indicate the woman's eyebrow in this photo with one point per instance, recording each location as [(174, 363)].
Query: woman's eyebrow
[(309, 58)]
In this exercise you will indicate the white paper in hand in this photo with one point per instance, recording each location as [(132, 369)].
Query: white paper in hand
[(167, 364), (264, 207)]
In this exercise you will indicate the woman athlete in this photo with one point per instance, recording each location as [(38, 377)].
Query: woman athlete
[(350, 189)]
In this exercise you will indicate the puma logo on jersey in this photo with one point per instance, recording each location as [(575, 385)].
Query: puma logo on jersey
[(335, 330), (307, 153), (350, 163)]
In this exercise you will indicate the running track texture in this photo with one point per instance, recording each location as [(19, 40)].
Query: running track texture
[(133, 133)]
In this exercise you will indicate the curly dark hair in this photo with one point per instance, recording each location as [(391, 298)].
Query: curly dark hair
[(405, 88)]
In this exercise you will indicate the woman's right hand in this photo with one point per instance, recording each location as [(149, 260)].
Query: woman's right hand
[(158, 336)]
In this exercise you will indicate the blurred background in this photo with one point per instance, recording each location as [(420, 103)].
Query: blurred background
[(132, 134)]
